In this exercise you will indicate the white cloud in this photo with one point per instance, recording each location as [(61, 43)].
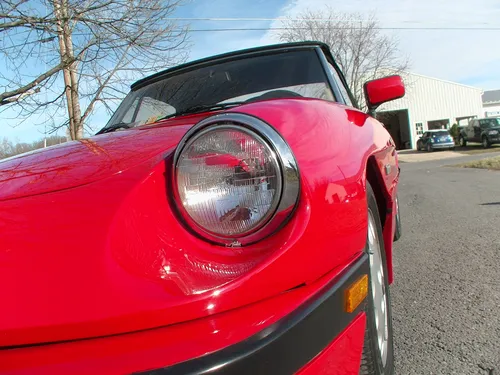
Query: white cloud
[(466, 56)]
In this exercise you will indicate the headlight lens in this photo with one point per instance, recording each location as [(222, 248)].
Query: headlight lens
[(236, 180), (493, 132), (229, 180)]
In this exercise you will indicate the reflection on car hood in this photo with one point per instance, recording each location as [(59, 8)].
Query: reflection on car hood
[(63, 211), (78, 163)]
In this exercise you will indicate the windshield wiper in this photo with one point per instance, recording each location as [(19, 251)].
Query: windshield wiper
[(193, 109), (112, 128), (203, 108)]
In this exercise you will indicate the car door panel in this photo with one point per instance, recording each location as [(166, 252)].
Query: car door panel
[(477, 131), (470, 131), (425, 139)]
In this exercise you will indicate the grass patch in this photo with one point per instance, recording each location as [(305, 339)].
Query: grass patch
[(488, 163), (476, 149)]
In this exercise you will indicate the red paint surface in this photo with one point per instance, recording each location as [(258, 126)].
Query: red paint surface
[(384, 89), (342, 356), (90, 245), (123, 354)]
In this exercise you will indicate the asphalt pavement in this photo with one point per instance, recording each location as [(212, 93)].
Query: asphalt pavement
[(446, 293)]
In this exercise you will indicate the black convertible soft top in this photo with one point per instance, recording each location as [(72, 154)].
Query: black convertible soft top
[(196, 64)]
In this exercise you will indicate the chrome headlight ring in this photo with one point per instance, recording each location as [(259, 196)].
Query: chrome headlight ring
[(287, 184)]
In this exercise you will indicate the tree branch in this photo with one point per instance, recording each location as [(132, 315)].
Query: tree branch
[(23, 89), (102, 86)]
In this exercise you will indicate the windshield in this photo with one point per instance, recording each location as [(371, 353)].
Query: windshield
[(293, 73), (490, 123), (441, 133)]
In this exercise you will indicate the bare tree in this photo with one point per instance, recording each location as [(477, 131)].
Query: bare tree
[(359, 47), (8, 148), (72, 55)]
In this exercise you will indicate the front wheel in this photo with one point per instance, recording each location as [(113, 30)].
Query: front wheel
[(485, 142), (462, 141), (429, 147), (378, 350)]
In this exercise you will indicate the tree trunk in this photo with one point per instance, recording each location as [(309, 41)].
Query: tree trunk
[(69, 70)]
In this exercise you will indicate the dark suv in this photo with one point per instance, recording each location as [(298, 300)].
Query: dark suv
[(484, 130)]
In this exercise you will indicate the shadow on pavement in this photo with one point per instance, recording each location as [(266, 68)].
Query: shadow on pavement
[(408, 152), (477, 149), (415, 152)]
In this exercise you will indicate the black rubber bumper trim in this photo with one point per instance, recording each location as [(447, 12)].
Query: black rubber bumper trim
[(289, 344)]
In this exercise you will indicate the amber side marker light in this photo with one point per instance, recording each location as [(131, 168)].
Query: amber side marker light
[(356, 293)]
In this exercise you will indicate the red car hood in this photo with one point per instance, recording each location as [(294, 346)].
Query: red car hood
[(62, 214), (81, 162), (90, 245)]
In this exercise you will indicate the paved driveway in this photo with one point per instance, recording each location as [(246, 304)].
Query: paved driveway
[(446, 296)]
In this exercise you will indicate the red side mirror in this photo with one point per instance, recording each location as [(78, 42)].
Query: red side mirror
[(383, 90)]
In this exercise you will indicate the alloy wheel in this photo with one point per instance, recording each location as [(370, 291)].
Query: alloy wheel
[(379, 295)]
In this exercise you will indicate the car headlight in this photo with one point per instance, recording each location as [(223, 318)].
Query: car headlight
[(235, 179), (432, 140), (493, 132)]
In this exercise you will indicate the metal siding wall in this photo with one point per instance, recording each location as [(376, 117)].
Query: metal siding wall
[(429, 99)]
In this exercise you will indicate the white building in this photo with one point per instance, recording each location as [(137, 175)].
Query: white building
[(429, 103), (491, 103)]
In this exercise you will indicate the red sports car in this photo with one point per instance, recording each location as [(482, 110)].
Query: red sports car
[(235, 216)]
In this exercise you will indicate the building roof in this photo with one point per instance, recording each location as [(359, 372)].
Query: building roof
[(409, 73), (491, 96)]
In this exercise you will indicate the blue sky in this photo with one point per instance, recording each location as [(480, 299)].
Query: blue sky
[(468, 57), (208, 43)]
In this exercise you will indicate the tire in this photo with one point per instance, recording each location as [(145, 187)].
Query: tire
[(462, 142), (419, 146), (429, 147), (372, 361), (397, 232), (485, 142)]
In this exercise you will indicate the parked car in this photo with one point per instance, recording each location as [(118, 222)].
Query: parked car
[(484, 130), (436, 140), (235, 216)]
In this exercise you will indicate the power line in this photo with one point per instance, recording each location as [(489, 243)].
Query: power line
[(328, 28), (236, 19), (248, 19), (346, 27), (286, 19)]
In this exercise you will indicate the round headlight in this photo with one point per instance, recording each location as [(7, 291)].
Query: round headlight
[(231, 179)]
